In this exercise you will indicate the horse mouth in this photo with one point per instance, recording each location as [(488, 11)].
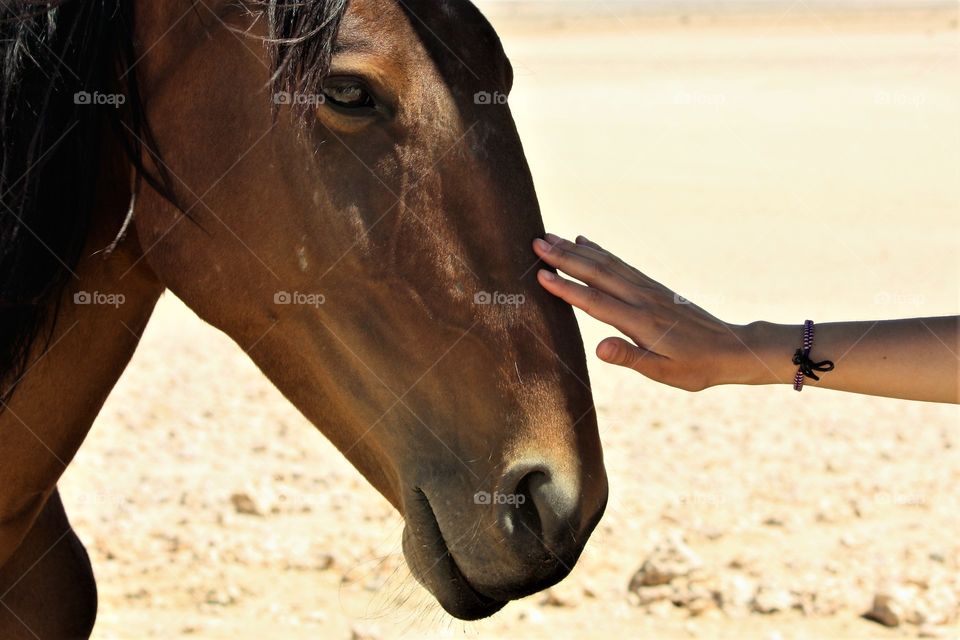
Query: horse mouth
[(434, 566)]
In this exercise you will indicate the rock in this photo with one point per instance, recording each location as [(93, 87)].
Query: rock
[(364, 633), (699, 605), (644, 596), (531, 616), (320, 562), (653, 574), (932, 631), (668, 561), (244, 504), (554, 598), (220, 597), (770, 600), (885, 610), (661, 609), (589, 590), (850, 541), (737, 593)]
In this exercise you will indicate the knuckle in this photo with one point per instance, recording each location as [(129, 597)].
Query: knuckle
[(619, 353), (560, 253), (598, 270), (630, 357), (593, 298), (638, 298)]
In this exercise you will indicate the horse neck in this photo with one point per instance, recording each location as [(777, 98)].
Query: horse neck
[(102, 312)]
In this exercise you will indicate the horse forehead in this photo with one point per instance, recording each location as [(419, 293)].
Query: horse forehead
[(454, 31), (458, 27)]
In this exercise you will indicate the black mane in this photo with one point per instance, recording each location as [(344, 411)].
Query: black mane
[(50, 145)]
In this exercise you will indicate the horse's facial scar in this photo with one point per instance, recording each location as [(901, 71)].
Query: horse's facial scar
[(302, 261)]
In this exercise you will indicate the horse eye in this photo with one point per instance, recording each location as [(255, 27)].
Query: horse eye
[(348, 94)]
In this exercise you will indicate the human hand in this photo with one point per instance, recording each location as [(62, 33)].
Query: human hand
[(674, 341)]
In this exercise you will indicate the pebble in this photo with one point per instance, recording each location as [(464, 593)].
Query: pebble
[(931, 631), (772, 600), (737, 593), (668, 561), (885, 610), (360, 632), (556, 598), (244, 504)]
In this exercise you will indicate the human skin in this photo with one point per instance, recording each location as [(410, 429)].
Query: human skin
[(680, 344)]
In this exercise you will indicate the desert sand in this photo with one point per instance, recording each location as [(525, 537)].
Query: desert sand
[(790, 164)]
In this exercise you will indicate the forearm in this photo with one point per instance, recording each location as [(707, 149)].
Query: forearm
[(914, 358)]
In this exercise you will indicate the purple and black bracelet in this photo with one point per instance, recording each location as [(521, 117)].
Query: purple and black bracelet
[(802, 359)]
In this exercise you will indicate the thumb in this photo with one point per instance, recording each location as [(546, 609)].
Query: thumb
[(620, 352)]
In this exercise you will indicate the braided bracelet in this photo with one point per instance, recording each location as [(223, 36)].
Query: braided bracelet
[(802, 359)]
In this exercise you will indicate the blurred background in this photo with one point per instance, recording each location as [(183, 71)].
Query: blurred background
[(768, 159)]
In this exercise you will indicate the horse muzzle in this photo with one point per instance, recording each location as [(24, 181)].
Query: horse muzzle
[(476, 552)]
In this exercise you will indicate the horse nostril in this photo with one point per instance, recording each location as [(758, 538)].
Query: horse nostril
[(539, 506), (524, 517)]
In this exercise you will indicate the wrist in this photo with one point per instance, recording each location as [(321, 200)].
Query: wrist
[(765, 353)]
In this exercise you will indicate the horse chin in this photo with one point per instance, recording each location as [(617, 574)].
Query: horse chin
[(434, 567)]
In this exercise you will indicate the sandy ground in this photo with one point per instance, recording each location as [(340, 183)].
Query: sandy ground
[(791, 167)]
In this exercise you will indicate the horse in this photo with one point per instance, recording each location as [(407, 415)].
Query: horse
[(340, 187)]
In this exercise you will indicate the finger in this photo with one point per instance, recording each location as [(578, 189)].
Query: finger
[(600, 254), (624, 354), (629, 272), (570, 259), (593, 301), (583, 240), (595, 252)]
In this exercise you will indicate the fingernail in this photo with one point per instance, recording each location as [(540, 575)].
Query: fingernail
[(552, 239), (550, 276), (582, 239), (540, 244), (604, 350)]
